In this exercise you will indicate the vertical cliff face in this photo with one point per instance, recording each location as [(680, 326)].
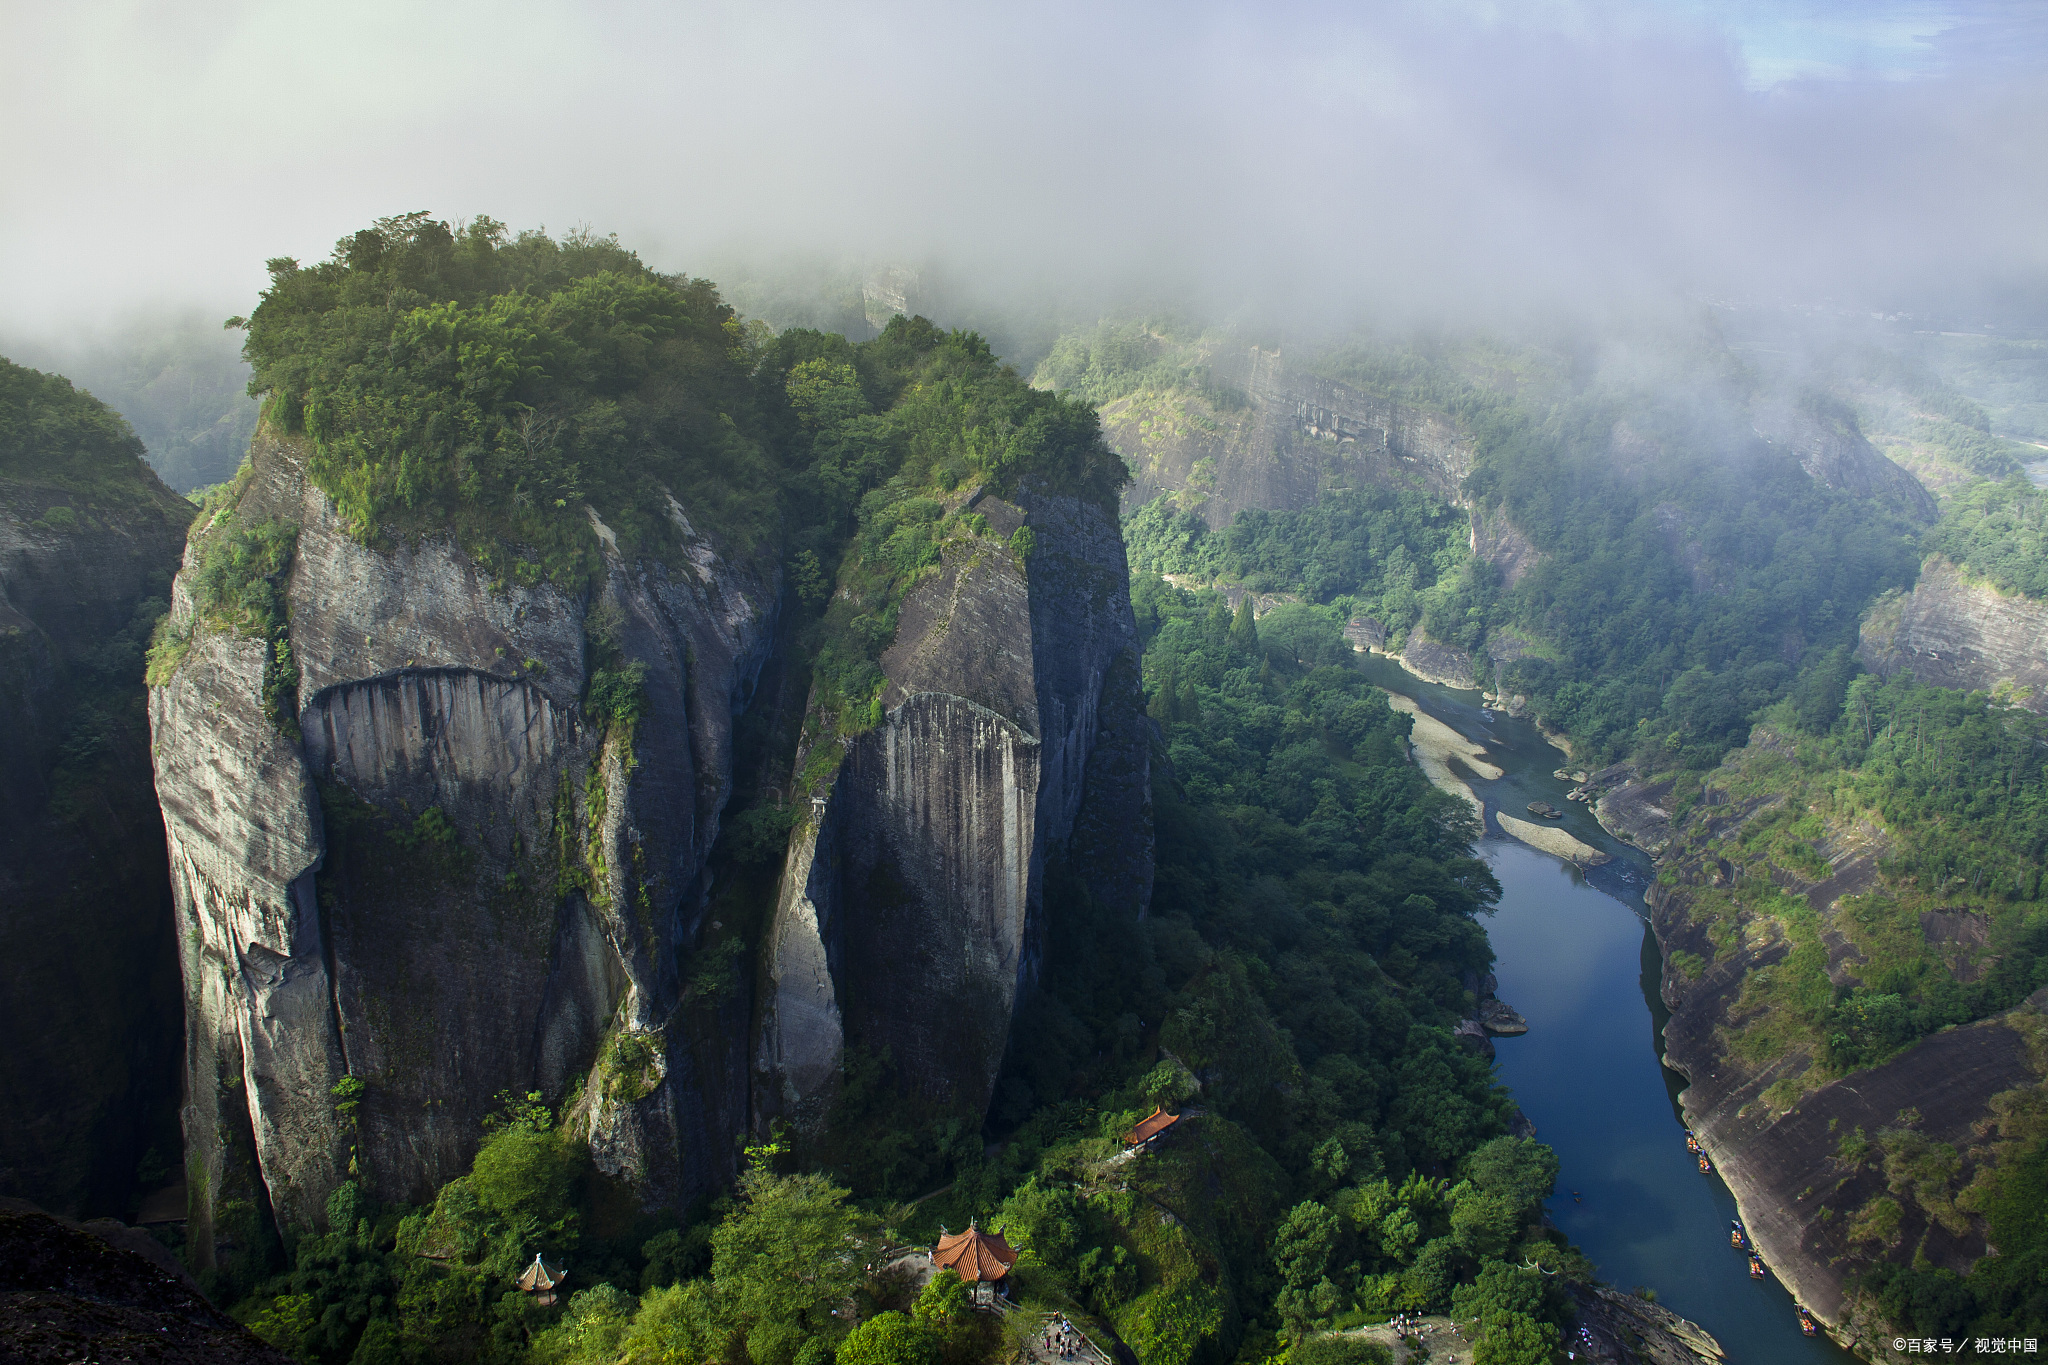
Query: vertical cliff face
[(1834, 453), (908, 917), (1953, 632), (448, 879), (88, 541)]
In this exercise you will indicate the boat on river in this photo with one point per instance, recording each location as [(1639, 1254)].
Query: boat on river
[(1756, 1266), (1806, 1323), (1706, 1166)]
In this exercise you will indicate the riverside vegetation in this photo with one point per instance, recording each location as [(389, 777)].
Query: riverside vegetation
[(1313, 934), (1697, 590)]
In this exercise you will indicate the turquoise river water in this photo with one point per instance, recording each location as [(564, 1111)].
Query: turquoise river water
[(1575, 955)]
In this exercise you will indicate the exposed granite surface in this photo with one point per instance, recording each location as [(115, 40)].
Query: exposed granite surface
[(1953, 632), (1437, 662), (1298, 434), (1782, 1156), (1620, 1329), (327, 933), (910, 911)]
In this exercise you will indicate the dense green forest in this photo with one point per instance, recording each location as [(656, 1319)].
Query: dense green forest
[(1998, 532), (1687, 566)]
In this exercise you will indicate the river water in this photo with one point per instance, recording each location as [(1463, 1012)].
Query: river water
[(1576, 957)]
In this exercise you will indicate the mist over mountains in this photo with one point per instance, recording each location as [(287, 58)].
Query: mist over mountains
[(1442, 163)]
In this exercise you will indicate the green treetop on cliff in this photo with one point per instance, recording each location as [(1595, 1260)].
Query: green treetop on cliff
[(60, 437), (495, 385)]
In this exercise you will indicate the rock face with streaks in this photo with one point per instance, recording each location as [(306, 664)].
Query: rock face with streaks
[(446, 880), (89, 539), (1951, 631), (1012, 732)]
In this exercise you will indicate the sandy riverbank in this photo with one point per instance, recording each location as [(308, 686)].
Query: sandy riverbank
[(1437, 746), (1552, 840)]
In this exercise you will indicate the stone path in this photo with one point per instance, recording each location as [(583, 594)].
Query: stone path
[(1085, 1352)]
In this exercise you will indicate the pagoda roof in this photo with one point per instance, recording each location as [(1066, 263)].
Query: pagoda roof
[(540, 1276), (1151, 1126), (975, 1255)]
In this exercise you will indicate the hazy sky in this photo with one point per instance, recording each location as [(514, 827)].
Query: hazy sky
[(1444, 155)]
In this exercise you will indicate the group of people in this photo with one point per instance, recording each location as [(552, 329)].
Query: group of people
[(1405, 1323), (1061, 1338)]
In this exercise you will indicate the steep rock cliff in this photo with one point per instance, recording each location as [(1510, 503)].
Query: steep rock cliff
[(1834, 453), (1951, 631), (909, 913), (88, 541), (446, 879), (1782, 1135)]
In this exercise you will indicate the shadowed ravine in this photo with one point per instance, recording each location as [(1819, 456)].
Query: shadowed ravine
[(1577, 960)]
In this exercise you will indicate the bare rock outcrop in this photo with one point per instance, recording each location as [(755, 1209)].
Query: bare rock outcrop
[(1834, 453), (446, 880), (1952, 631), (1621, 1329), (1502, 544), (1437, 662), (910, 915), (106, 1292)]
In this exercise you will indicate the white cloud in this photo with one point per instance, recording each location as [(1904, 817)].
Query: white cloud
[(1309, 154)]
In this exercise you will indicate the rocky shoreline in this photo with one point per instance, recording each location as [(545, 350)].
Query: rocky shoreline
[(1808, 1159)]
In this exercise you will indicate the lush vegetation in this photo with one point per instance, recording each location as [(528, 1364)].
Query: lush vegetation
[(55, 437), (1118, 358), (887, 439), (1998, 532), (496, 386), (1957, 783), (1399, 557)]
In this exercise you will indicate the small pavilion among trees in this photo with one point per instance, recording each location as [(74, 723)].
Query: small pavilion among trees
[(980, 1258)]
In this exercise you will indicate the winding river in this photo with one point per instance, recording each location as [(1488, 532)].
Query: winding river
[(1576, 957)]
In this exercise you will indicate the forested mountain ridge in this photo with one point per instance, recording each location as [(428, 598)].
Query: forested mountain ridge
[(1854, 955), (89, 539)]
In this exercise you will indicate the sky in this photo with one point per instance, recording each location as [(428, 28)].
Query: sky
[(1451, 159)]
